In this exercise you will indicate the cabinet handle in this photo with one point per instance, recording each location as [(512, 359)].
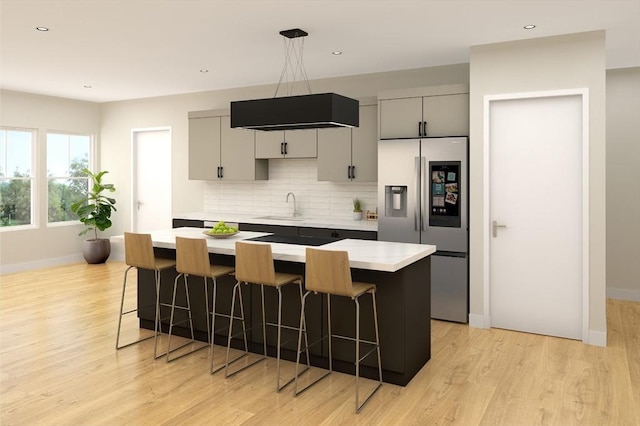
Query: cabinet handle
[(348, 172), (353, 172), (424, 128), (218, 170), (281, 148), (419, 128), (221, 172), (285, 148)]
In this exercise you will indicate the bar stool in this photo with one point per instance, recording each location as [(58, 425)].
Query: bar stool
[(328, 272), (192, 258), (254, 264), (139, 254)]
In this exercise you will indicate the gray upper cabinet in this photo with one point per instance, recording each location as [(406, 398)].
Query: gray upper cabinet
[(287, 144), (216, 151), (400, 118), (204, 147), (237, 154), (446, 115), (430, 112), (350, 154)]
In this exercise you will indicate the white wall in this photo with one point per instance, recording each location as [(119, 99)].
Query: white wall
[(623, 183), (551, 63), (43, 245)]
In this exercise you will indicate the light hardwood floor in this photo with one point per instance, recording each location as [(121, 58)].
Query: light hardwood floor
[(59, 367)]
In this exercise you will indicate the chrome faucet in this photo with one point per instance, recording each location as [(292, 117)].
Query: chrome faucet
[(294, 203)]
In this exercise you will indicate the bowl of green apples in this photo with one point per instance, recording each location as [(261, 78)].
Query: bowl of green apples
[(221, 230)]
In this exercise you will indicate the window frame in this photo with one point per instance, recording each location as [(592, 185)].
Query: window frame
[(91, 160), (33, 177)]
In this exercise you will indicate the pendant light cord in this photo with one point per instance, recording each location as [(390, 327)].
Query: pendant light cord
[(293, 48)]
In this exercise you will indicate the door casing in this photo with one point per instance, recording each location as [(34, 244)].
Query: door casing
[(584, 93)]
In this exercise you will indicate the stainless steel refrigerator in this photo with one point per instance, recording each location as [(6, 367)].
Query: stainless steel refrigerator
[(423, 198)]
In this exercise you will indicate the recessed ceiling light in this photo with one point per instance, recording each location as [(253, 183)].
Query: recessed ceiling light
[(336, 52), (204, 71), (529, 27), (42, 28)]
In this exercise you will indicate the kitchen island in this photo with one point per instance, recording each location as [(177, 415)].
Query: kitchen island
[(400, 271)]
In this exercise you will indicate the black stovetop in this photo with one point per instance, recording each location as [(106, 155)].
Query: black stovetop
[(291, 239)]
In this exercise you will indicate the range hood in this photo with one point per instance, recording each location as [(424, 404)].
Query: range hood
[(313, 111)]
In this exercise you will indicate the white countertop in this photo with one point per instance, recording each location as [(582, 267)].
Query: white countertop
[(363, 254), (302, 221)]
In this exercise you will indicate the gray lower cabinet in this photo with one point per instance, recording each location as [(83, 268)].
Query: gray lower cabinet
[(350, 154), (216, 151), (191, 223), (286, 144)]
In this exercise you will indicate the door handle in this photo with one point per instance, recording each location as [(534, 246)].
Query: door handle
[(495, 226), (139, 203), (423, 199), (416, 182)]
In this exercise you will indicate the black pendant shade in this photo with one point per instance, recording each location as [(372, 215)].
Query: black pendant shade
[(314, 111)]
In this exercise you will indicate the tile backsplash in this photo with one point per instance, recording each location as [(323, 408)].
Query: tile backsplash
[(313, 198)]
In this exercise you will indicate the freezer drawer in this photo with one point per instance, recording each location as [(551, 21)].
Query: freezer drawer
[(449, 287)]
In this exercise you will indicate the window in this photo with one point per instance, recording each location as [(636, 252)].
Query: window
[(16, 177), (67, 155)]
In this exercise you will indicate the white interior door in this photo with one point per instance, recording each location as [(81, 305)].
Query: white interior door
[(151, 192), (536, 193)]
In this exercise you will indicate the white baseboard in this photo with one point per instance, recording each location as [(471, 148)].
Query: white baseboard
[(39, 264), (623, 294), (597, 338), (479, 321), (116, 254)]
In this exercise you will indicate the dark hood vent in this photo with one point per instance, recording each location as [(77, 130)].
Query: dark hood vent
[(314, 111)]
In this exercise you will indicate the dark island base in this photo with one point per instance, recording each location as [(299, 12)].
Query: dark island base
[(404, 311)]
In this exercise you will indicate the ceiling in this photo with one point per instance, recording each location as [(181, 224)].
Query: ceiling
[(108, 50)]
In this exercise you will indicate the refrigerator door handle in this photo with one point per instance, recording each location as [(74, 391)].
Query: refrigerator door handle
[(416, 181), (425, 198)]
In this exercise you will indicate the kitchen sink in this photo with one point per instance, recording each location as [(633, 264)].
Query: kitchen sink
[(287, 218)]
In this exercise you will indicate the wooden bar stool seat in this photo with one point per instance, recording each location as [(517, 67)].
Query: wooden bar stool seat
[(192, 258), (328, 272), (139, 254)]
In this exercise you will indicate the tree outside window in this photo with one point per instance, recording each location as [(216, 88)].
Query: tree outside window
[(67, 155), (16, 177)]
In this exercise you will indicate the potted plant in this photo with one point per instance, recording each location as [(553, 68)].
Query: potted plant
[(357, 209), (94, 211)]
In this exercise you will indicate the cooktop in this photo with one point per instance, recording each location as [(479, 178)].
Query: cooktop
[(291, 239)]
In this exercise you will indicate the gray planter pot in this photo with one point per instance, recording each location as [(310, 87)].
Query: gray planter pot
[(96, 251)]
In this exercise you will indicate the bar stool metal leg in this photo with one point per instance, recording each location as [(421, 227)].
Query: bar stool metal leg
[(237, 289), (186, 308), (358, 358), (122, 313)]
